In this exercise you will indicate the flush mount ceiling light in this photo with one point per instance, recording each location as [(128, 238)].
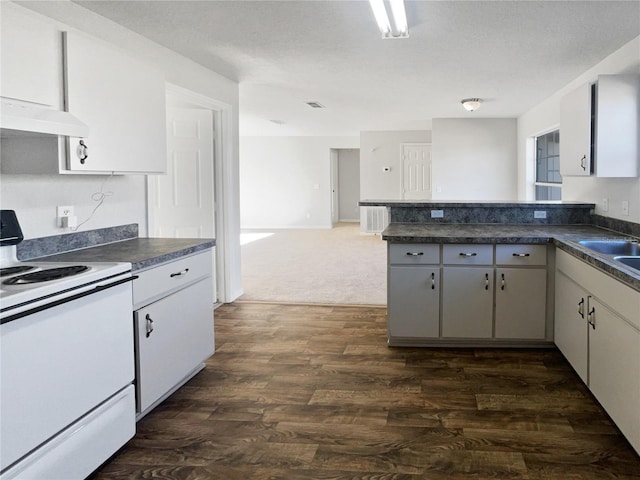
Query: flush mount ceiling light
[(396, 29), (471, 104)]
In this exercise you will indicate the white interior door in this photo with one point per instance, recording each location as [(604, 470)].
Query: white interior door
[(416, 171), (183, 200), (184, 197)]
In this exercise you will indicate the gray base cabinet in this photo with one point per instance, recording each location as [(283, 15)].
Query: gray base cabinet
[(467, 302), (414, 301), (466, 294), (521, 303)]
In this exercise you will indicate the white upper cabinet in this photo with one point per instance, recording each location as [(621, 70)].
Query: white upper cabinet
[(600, 128), (575, 132), (618, 126), (122, 99), (30, 57)]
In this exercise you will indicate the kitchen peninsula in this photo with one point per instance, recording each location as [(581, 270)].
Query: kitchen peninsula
[(521, 274)]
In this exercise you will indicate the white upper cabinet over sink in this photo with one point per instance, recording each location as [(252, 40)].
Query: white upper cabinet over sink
[(122, 99), (600, 128)]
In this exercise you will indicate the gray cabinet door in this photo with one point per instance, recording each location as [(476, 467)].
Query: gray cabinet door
[(467, 302), (414, 301), (521, 303)]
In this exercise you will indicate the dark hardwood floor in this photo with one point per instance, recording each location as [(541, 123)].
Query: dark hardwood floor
[(313, 392)]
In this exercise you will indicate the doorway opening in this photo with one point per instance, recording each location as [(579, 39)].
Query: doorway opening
[(345, 185), (189, 201)]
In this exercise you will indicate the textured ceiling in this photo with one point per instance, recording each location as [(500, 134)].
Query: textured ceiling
[(513, 54)]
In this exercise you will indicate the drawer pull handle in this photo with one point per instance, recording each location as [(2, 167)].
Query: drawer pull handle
[(583, 163), (486, 281), (149, 325), (521, 255), (433, 281), (415, 254), (179, 274), (463, 254), (502, 283), (581, 307)]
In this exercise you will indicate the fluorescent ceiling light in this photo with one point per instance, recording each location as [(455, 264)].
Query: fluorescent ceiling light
[(399, 17), (400, 26)]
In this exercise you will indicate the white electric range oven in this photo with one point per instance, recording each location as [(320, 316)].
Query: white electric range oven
[(66, 363)]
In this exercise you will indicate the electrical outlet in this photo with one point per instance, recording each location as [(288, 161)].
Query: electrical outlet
[(437, 213), (64, 211), (625, 207), (605, 204), (539, 214)]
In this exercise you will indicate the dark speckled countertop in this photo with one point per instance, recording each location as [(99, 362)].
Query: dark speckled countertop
[(564, 237), (142, 253)]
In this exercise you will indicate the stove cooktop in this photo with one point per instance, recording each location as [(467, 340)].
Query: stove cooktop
[(24, 283)]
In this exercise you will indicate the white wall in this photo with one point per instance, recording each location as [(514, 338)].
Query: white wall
[(35, 197), (379, 149), (474, 159), (285, 181), (546, 116)]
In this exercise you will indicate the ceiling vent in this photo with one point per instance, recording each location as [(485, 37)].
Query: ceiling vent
[(315, 105)]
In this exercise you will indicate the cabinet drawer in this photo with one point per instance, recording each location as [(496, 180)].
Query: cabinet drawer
[(414, 253), (467, 254), (521, 254), (164, 279)]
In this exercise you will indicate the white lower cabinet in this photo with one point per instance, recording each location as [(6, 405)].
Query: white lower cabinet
[(173, 322), (604, 346), (467, 302), (614, 368), (570, 329)]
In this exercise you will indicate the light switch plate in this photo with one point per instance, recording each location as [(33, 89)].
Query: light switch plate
[(437, 213), (625, 207), (539, 214)]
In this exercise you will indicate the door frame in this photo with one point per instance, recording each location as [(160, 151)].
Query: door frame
[(223, 196), (402, 145)]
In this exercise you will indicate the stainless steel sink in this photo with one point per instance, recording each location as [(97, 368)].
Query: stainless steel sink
[(623, 248), (633, 262)]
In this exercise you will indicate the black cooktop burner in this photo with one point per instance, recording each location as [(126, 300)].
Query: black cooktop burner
[(13, 270), (46, 275)]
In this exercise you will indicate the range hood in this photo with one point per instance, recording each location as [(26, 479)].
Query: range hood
[(18, 117)]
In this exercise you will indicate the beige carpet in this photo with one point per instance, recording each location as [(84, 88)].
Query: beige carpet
[(333, 266)]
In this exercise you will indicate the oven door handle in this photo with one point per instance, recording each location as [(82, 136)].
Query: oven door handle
[(62, 301)]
